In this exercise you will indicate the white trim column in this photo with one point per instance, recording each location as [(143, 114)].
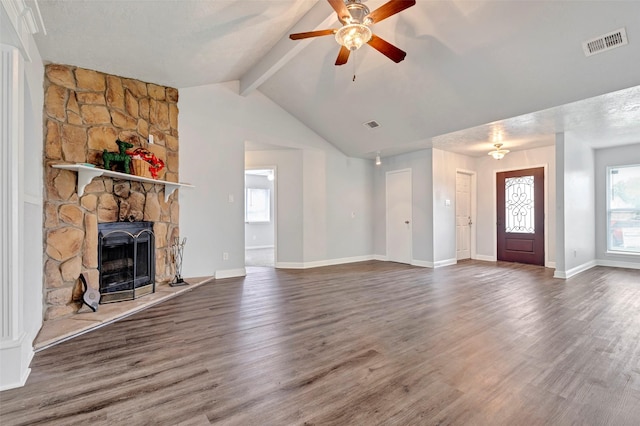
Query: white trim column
[(12, 337), (21, 101)]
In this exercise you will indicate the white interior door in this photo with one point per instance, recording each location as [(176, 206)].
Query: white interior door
[(463, 216), (399, 216)]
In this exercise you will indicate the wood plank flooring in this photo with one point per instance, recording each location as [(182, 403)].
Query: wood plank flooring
[(359, 344)]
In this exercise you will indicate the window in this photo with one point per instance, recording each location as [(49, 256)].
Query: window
[(257, 205), (623, 209)]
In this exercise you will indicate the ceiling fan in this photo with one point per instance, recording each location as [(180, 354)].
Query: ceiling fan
[(356, 19)]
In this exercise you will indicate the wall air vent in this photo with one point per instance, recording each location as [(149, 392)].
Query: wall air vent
[(371, 124), (605, 42)]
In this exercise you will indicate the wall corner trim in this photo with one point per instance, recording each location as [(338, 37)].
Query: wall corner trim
[(574, 271), (485, 258), (230, 273), (446, 262), (422, 263)]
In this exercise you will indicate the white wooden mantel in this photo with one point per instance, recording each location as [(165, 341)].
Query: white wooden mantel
[(86, 174)]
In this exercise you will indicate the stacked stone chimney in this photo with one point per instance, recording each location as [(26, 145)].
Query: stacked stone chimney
[(85, 112)]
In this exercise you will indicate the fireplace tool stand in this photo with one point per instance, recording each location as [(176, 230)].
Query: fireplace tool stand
[(177, 249)]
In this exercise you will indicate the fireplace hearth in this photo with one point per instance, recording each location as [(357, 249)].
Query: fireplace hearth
[(126, 260)]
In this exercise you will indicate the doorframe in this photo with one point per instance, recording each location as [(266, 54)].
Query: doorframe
[(494, 210), (275, 208), (474, 210), (386, 211)]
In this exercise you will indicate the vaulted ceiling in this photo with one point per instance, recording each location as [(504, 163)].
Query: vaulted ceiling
[(476, 72)]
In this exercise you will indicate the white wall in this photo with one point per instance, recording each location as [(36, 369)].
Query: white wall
[(618, 156), (420, 163), (324, 206), (445, 165), (289, 229), (575, 244), (349, 207), (487, 168), (212, 159), (215, 122)]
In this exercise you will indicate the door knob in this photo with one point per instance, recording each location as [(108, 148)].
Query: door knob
[(406, 221)]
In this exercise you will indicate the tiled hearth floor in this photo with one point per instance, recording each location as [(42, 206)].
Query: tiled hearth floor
[(59, 330)]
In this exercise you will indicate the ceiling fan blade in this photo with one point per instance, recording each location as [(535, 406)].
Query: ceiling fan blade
[(341, 9), (390, 8), (343, 56), (387, 49), (299, 36)]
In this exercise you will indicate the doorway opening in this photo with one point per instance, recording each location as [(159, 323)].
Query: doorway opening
[(260, 217)]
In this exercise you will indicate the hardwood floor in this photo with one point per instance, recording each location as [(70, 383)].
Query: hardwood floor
[(358, 344)]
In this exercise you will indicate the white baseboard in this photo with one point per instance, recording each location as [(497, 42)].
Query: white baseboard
[(230, 273), (617, 264), (258, 247), (289, 265), (446, 262), (16, 357), (422, 263), (574, 271), (550, 265), (485, 258), (319, 263), (381, 257)]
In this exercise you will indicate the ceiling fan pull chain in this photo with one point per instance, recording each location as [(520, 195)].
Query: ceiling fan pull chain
[(354, 65)]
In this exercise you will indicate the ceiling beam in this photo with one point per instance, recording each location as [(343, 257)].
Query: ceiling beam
[(319, 17)]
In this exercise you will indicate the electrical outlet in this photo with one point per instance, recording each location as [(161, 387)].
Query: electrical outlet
[(225, 256)]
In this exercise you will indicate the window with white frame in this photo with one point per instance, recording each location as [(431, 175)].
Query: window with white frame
[(257, 205), (623, 209)]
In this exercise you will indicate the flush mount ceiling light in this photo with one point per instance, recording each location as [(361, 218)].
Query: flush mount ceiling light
[(498, 153)]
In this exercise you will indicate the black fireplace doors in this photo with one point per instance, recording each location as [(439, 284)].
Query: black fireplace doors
[(126, 260)]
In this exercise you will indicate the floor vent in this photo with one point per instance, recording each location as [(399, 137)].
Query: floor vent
[(371, 124), (605, 42)]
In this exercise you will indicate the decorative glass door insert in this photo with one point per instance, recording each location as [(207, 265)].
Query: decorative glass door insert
[(519, 204)]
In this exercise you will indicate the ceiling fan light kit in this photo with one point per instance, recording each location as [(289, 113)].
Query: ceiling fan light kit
[(353, 36), (498, 153), (355, 32)]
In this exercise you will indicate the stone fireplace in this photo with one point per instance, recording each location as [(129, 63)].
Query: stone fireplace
[(85, 112)]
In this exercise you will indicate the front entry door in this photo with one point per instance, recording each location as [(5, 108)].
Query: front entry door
[(520, 213)]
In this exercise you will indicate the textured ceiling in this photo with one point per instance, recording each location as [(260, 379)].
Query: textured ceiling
[(476, 71)]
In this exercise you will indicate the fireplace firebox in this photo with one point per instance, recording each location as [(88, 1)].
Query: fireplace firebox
[(126, 260)]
